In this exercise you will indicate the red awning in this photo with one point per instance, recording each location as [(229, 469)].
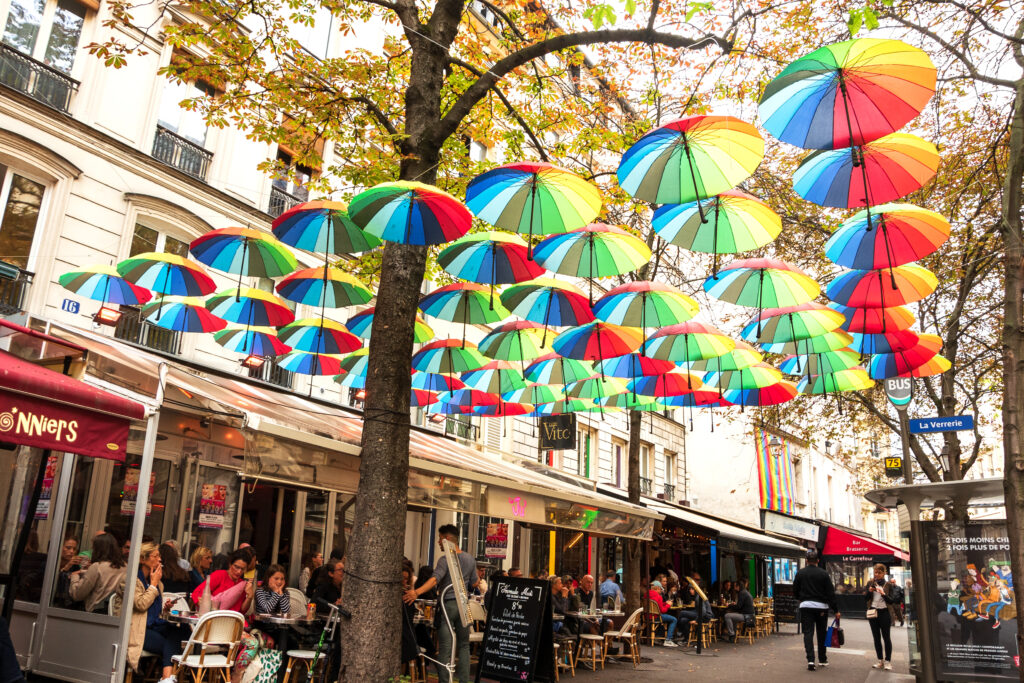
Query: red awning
[(43, 408), (839, 543)]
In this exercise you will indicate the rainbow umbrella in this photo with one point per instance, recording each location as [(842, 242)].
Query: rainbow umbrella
[(548, 302), (463, 302), (645, 304), (533, 198), (674, 383), (533, 394), (324, 227), (182, 314), (418, 398), (596, 387), (247, 306), (490, 258), (809, 319), (936, 365), (428, 381), (496, 377), (252, 341), (887, 235), (166, 274), (448, 357), (903, 362), (309, 363), (877, 172), (596, 341), (831, 341), (243, 251), (355, 363), (361, 324), (823, 363), (890, 342), (503, 409), (104, 284), (351, 380), (593, 251), (439, 407), (410, 213), (848, 93), (516, 340), (762, 283), (319, 335), (633, 365), (872, 289), (630, 401), (324, 287), (554, 369), (691, 159), (733, 222), (874, 320), (772, 395), (743, 355), (688, 342), (560, 408), (854, 379), (755, 377), (702, 398), (467, 399)]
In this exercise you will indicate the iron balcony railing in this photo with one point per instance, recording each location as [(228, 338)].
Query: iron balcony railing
[(182, 154), (272, 373), (13, 292), (37, 80), (281, 201), (133, 329), (670, 491), (645, 486)]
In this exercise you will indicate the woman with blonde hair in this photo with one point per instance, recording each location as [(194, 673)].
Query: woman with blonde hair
[(201, 561)]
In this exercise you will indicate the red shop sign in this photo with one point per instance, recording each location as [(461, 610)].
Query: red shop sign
[(32, 421)]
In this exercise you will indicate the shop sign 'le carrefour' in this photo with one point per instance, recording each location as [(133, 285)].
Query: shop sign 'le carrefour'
[(900, 391)]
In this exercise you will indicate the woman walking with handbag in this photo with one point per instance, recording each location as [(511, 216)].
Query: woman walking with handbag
[(878, 599)]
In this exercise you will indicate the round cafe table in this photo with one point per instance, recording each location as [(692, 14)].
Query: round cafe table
[(286, 624)]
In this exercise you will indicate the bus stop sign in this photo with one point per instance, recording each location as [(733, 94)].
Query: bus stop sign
[(899, 390)]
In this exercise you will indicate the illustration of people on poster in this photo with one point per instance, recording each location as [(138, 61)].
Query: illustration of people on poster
[(497, 541), (130, 492), (971, 584), (46, 492), (211, 506)]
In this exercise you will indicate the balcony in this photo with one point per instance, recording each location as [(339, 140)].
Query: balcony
[(272, 373), (182, 154), (645, 486), (670, 491), (37, 80), (453, 426), (13, 292), (281, 201), (134, 330)]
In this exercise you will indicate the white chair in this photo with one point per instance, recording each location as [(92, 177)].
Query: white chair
[(296, 602), (306, 657), (629, 636), (205, 650)]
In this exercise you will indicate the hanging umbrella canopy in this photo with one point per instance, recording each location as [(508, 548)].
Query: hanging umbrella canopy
[(595, 250), (596, 341), (824, 363), (690, 159), (467, 399), (755, 377), (166, 274), (848, 93), (322, 227), (887, 235), (319, 335), (674, 383), (496, 377), (503, 409), (854, 379), (882, 288), (903, 362), (573, 405), (489, 258), (688, 342), (549, 302), (182, 314), (462, 302), (518, 340), (874, 320), (890, 342), (533, 198), (534, 394), (809, 319), (633, 365), (448, 357), (351, 380), (355, 363), (875, 173), (428, 381), (419, 398), (255, 341), (629, 401), (410, 213), (361, 325), (309, 363), (762, 283), (439, 407), (247, 306), (554, 369), (936, 365), (742, 356), (831, 341), (645, 304), (772, 395), (104, 284), (243, 251), (596, 387), (326, 286), (702, 398)]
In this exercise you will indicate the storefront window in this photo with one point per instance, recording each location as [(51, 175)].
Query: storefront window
[(540, 545), (17, 479), (344, 516), (76, 543), (314, 523), (211, 517), (124, 491)]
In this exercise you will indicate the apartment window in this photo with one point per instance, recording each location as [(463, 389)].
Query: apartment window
[(477, 151), (146, 239), (46, 30), (618, 454), (671, 462), (22, 201), (646, 469), (296, 184), (181, 120), (880, 533), (316, 38)]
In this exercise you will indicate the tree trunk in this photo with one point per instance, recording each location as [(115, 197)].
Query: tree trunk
[(634, 578), (1013, 355)]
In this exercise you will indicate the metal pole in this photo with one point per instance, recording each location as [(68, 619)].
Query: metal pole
[(908, 467)]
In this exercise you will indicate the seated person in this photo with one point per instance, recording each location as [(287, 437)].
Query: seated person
[(271, 597), (610, 590), (739, 611), (93, 586), (560, 605), (328, 591), (176, 577), (670, 621), (584, 598), (228, 587), (726, 595)]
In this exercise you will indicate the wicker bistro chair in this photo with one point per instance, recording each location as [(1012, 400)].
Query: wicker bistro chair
[(308, 658), (296, 601), (629, 636), (591, 649), (654, 622), (213, 646)]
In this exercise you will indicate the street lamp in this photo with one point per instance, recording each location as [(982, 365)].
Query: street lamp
[(776, 448), (946, 457)]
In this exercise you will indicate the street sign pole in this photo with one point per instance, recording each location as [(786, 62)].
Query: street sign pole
[(900, 391), (908, 468)]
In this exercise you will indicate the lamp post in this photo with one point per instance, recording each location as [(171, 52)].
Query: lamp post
[(776, 447)]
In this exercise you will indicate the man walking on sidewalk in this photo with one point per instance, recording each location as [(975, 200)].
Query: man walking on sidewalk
[(813, 588)]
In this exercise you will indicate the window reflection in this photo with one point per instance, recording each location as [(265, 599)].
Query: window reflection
[(64, 33), (21, 214), (23, 22)]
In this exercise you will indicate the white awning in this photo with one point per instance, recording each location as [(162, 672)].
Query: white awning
[(744, 537)]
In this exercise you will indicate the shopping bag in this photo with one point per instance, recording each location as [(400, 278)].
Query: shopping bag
[(834, 636)]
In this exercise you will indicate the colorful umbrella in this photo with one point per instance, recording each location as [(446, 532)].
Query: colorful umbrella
[(596, 387), (762, 283), (319, 335), (428, 381), (882, 289), (596, 341), (490, 258), (419, 398), (645, 304), (448, 357), (755, 377), (463, 302), (247, 306), (633, 365), (903, 362), (533, 198), (496, 377), (355, 363), (361, 324), (733, 222), (309, 363), (166, 274), (554, 369), (823, 363), (323, 227), (243, 251), (503, 409), (516, 340), (674, 383), (936, 365), (874, 320), (832, 341), (772, 395), (184, 314), (410, 213), (560, 408), (252, 341), (629, 401), (351, 381), (702, 398), (534, 394), (742, 356), (854, 379), (877, 172), (104, 284), (887, 235), (324, 287), (810, 319), (593, 251), (848, 93), (689, 341), (467, 399), (890, 342), (691, 159), (548, 302)]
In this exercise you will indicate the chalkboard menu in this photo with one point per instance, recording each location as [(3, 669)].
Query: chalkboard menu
[(786, 605), (517, 644)]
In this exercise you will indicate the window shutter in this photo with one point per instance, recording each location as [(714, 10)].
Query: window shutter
[(492, 432)]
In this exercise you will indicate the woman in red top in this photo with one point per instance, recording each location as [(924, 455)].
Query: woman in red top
[(670, 621), (225, 586)]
